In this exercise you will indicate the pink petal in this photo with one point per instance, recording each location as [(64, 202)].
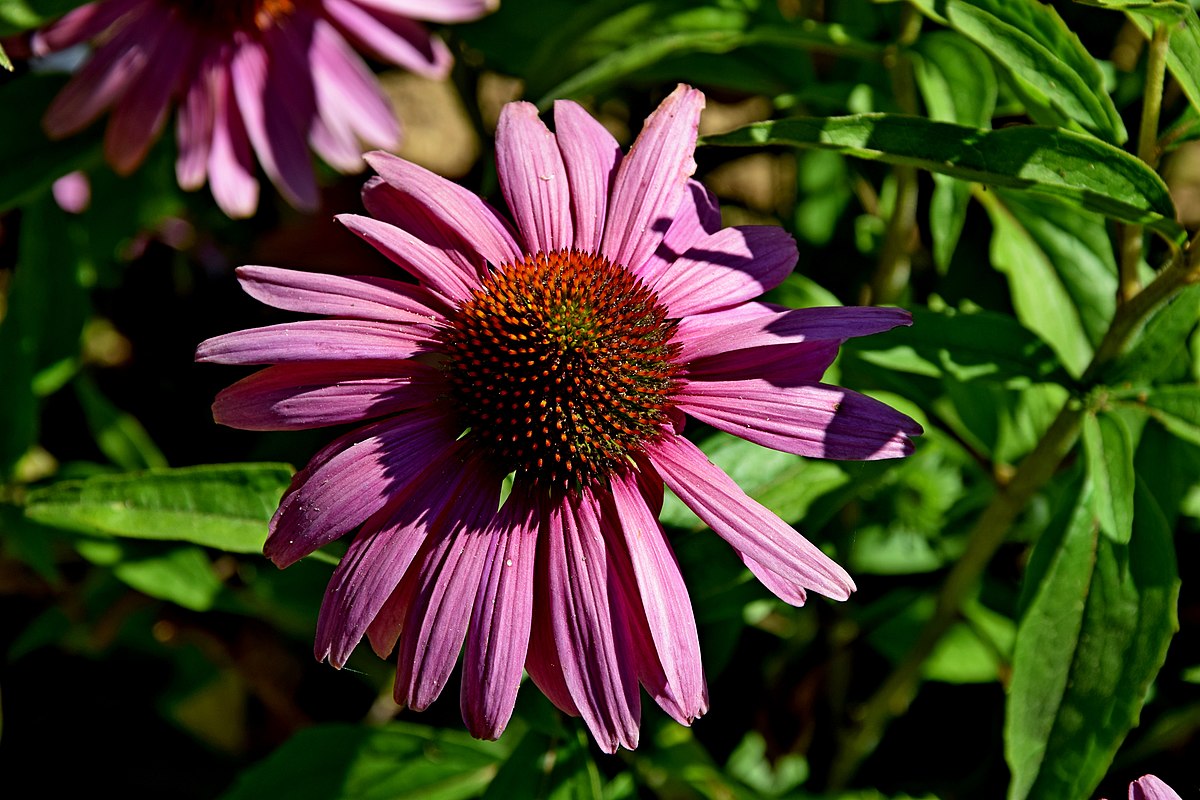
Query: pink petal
[(729, 267), (498, 642), (434, 10), (762, 325), (358, 297), (391, 37), (766, 541), (427, 264), (194, 125), (543, 662), (533, 179), (300, 396), (697, 218), (270, 120), (662, 594), (650, 182), (354, 477), (139, 116), (781, 365), (447, 582), (380, 555), (807, 419), (597, 668), (113, 69), (72, 192), (231, 172), (590, 156), (1149, 787), (79, 25), (451, 208), (314, 340)]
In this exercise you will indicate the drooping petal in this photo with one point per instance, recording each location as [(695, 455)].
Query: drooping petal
[(139, 116), (813, 419), (347, 92), (650, 181), (781, 364), (352, 478), (357, 296), (107, 76), (231, 171), (543, 662), (315, 340), (391, 37), (454, 209), (80, 25), (727, 268), (427, 264), (194, 125), (498, 642), (533, 179), (598, 671), (313, 395), (663, 596), (447, 582), (763, 538), (380, 555), (762, 325), (697, 218), (1149, 787), (590, 156), (434, 10)]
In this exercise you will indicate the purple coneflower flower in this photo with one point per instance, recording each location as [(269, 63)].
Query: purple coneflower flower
[(253, 78), (1149, 787), (564, 352)]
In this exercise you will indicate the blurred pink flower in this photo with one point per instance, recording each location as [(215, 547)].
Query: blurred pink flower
[(563, 352), (253, 79), (72, 192)]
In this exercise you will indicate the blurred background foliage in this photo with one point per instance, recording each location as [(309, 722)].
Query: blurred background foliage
[(1021, 577)]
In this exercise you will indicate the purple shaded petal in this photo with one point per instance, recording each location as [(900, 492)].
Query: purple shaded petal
[(427, 264), (391, 37), (543, 662), (762, 538), (359, 297), (1149, 787), (781, 365), (762, 325), (352, 478), (729, 267), (435, 10), (447, 582), (662, 596), (590, 156), (813, 419), (231, 171), (598, 671), (315, 340), (498, 642), (103, 80), (450, 208), (81, 24), (650, 182), (698, 217), (194, 125), (533, 179), (270, 99), (139, 116), (370, 573), (300, 396)]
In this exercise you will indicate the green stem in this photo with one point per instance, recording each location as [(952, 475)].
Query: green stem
[(1130, 245)]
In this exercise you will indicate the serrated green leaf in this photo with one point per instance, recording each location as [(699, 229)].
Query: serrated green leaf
[(394, 762), (1108, 447), (979, 346), (226, 506), (1055, 76), (1098, 618), (1075, 168)]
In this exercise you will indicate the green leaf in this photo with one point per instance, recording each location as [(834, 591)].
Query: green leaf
[(976, 346), (1055, 76), (181, 575), (118, 435), (1177, 408), (544, 767), (1075, 168), (1108, 447), (21, 15), (226, 506), (5, 61), (395, 762), (958, 85), (1098, 618), (1162, 341), (1183, 51)]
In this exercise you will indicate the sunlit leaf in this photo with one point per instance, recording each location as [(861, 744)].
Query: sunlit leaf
[(1076, 168), (1177, 408), (1108, 446), (20, 15), (181, 575)]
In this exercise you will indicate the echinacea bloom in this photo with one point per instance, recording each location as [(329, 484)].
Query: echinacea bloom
[(254, 79), (1149, 787), (563, 351)]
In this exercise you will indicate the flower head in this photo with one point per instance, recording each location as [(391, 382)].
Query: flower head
[(1148, 787), (565, 352), (254, 79)]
